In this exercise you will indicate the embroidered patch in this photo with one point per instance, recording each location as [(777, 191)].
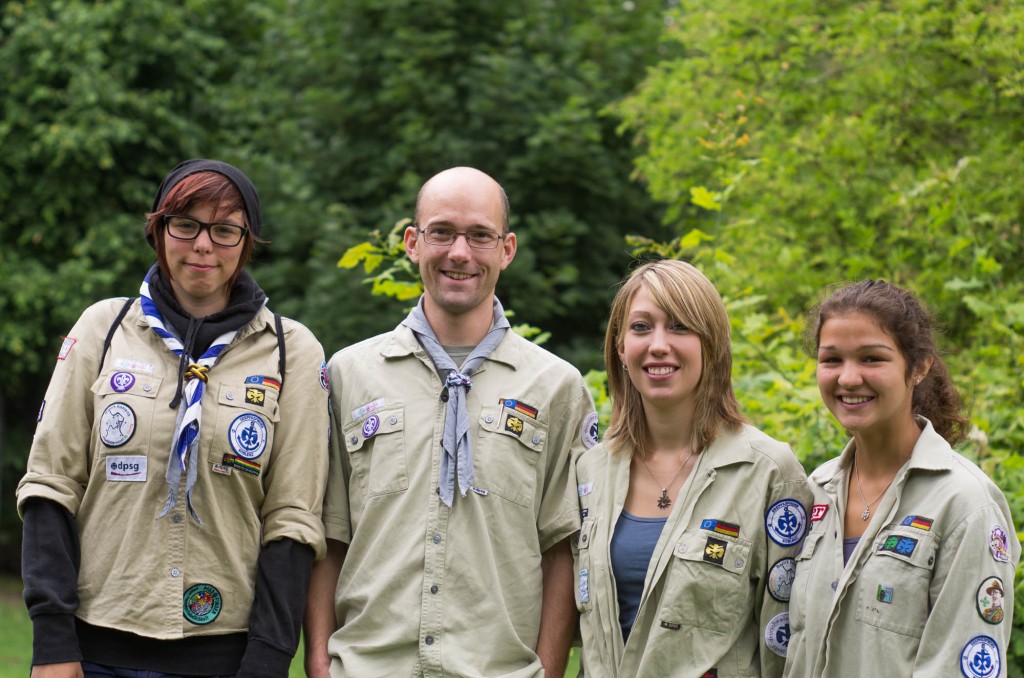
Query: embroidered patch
[(134, 365), (325, 382), (776, 634), (586, 488), (818, 512), (997, 543), (990, 600), (126, 469), (221, 469), (371, 426), (884, 594), (903, 546), (920, 522), (589, 431), (248, 435), (980, 658), (65, 348), (520, 407), (584, 586), (786, 521), (714, 550), (201, 604), (364, 410), (720, 526), (780, 579), (671, 626), (230, 461), (514, 424), (255, 396), (117, 424), (122, 381), (265, 381), (39, 417)]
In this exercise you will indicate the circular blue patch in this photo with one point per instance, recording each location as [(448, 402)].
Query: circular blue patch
[(371, 425), (248, 435), (980, 658), (122, 381), (785, 522), (776, 634), (589, 430), (325, 382), (201, 604)]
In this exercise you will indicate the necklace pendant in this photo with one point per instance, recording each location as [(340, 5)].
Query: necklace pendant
[(663, 501), (865, 514)]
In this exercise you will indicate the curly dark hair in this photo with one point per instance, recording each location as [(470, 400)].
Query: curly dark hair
[(904, 318)]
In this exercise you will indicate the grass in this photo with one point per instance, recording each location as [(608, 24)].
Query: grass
[(16, 636)]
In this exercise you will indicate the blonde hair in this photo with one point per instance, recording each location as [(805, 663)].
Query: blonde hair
[(688, 297)]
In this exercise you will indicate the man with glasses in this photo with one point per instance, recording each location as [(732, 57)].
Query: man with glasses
[(451, 495)]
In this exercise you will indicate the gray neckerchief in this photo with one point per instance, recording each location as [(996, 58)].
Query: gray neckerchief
[(458, 453)]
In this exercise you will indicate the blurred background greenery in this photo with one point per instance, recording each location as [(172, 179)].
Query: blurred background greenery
[(782, 146)]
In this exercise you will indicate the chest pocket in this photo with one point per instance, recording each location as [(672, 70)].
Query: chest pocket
[(244, 435), (124, 413), (505, 454), (799, 593), (376, 447), (893, 584), (707, 584)]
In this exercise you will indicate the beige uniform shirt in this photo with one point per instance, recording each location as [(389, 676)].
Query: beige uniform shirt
[(915, 597), (427, 590), (714, 602), (101, 451)]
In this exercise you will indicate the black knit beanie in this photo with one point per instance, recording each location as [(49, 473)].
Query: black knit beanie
[(250, 198)]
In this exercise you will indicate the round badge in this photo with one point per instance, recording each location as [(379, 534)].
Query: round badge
[(122, 381), (371, 425), (780, 579), (324, 381), (990, 600), (997, 543), (201, 604), (785, 522), (980, 658), (776, 634), (117, 425), (248, 435), (589, 430)]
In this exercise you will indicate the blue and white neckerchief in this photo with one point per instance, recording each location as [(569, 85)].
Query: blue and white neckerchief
[(185, 442), (457, 449)]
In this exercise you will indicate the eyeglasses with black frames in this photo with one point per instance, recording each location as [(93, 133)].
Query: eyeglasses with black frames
[(478, 238), (187, 228)]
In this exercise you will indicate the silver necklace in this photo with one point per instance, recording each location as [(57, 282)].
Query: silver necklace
[(663, 501), (866, 513)]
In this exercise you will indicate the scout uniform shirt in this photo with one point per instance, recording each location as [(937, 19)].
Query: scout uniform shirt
[(918, 594), (428, 590), (714, 602), (101, 451)]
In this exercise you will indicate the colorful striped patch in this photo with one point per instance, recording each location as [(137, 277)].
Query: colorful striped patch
[(520, 407), (920, 522), (720, 526), (250, 467)]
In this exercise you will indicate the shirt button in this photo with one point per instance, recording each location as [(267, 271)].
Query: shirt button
[(230, 396), (353, 440), (835, 585), (489, 419), (433, 589), (682, 548), (739, 562), (175, 572), (392, 420), (176, 518), (437, 539), (147, 388), (583, 539), (536, 440), (429, 640), (444, 397)]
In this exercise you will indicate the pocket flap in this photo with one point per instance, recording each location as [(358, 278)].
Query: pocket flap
[(118, 383), (382, 422), (913, 547), (529, 432), (261, 400), (729, 553)]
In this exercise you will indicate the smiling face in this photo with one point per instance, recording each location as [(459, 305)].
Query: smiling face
[(200, 270), (459, 280), (661, 355), (863, 377)]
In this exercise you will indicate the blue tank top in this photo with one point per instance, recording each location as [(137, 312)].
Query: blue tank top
[(632, 546)]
